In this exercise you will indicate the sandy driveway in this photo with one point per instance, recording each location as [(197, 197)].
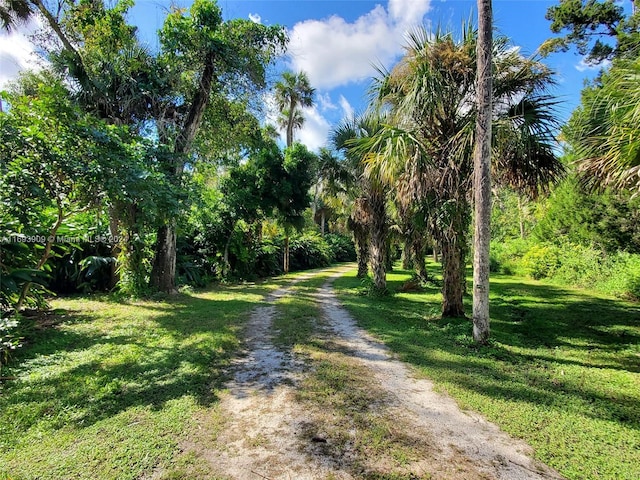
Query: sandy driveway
[(270, 434)]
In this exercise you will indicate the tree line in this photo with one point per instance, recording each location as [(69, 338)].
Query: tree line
[(168, 153)]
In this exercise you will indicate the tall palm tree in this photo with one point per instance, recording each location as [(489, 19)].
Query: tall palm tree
[(293, 93), (482, 174), (431, 95)]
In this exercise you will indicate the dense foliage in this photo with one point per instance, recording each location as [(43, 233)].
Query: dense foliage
[(130, 170)]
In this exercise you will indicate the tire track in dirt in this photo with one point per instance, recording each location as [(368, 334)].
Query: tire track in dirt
[(264, 435), (268, 431), (457, 434)]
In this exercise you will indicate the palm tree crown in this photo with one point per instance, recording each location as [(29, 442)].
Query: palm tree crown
[(430, 96), (293, 93)]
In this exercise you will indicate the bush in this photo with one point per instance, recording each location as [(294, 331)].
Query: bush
[(341, 246), (570, 264), (540, 261), (623, 276), (268, 257), (506, 257), (8, 339), (581, 266), (309, 251)]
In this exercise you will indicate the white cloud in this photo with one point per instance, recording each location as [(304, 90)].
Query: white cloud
[(584, 66), (335, 52), (346, 107), (16, 53), (255, 18), (315, 131), (325, 102)]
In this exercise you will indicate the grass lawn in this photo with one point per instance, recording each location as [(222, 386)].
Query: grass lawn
[(562, 371), (112, 389)]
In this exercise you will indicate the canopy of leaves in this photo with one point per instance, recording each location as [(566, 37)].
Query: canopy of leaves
[(598, 29)]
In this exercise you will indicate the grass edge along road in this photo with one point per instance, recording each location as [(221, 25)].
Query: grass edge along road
[(110, 390), (562, 371)]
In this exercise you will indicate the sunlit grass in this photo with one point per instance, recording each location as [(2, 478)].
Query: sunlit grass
[(562, 370), (113, 388)]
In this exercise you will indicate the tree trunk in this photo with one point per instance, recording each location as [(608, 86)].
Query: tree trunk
[(482, 176), (378, 246), (361, 239), (407, 263), (225, 258), (453, 278), (164, 265), (417, 256), (322, 221), (292, 109), (521, 217), (114, 231), (286, 254), (163, 274)]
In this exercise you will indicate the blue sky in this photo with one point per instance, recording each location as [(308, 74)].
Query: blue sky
[(338, 43)]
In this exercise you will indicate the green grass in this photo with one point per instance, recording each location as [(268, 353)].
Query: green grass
[(113, 388), (562, 371)]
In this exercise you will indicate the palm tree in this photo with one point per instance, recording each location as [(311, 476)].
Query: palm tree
[(431, 95), (482, 175), (604, 129), (293, 93), (333, 179), (14, 13), (368, 220)]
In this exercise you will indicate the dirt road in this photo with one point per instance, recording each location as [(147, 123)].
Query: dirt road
[(339, 406)]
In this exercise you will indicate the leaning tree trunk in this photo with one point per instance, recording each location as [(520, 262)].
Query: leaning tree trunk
[(482, 177), (378, 246), (164, 265)]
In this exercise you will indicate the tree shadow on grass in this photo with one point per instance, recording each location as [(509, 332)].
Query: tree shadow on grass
[(78, 376), (532, 315), (536, 329)]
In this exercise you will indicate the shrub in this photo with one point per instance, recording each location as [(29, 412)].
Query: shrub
[(268, 257), (571, 264), (623, 276), (580, 266), (341, 246), (506, 256), (540, 261), (309, 250)]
